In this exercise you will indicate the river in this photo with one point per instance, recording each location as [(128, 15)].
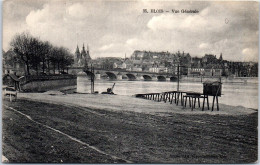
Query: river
[(235, 94)]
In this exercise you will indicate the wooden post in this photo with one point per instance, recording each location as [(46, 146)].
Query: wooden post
[(178, 98), (172, 98), (213, 103), (192, 103), (185, 102), (203, 103), (208, 101), (93, 78), (181, 99), (195, 102), (217, 103), (178, 85)]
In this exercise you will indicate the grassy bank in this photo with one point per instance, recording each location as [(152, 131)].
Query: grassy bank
[(133, 136)]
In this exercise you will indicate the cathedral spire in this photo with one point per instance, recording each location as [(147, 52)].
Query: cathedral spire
[(77, 55), (83, 52), (77, 49), (88, 54), (220, 57)]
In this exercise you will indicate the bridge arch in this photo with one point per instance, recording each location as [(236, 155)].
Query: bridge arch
[(161, 78), (173, 78), (131, 76), (147, 77), (111, 75)]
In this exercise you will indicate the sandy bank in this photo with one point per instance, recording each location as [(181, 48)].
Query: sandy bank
[(128, 103)]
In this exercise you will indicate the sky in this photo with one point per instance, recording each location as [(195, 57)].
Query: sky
[(118, 28)]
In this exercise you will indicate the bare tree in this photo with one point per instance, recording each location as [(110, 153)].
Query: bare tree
[(50, 48), (21, 45), (35, 53), (53, 57), (46, 48)]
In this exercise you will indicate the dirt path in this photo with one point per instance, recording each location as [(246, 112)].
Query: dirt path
[(137, 137)]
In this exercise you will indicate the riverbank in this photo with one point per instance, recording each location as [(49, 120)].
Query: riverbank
[(233, 94), (84, 128), (127, 103)]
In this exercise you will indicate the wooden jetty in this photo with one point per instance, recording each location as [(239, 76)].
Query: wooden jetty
[(209, 89)]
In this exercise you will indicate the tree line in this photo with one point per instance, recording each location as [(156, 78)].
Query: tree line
[(40, 56)]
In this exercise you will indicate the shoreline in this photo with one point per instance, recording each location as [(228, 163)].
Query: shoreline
[(128, 103)]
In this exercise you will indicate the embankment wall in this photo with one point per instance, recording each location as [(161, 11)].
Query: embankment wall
[(45, 85), (223, 79)]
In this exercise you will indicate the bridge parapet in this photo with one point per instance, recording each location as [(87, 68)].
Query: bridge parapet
[(119, 74)]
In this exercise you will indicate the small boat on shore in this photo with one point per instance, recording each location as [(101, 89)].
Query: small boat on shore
[(110, 90)]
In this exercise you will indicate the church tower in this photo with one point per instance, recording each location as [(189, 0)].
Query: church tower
[(88, 58), (83, 55), (82, 58), (77, 56), (220, 57), (83, 52)]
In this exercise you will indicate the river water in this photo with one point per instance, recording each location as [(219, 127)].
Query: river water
[(235, 94)]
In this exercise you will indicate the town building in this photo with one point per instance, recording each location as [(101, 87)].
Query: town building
[(193, 72), (165, 62), (12, 64)]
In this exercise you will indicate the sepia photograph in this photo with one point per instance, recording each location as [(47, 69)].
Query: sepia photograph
[(130, 81)]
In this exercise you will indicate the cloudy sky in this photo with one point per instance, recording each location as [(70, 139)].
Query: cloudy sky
[(116, 28)]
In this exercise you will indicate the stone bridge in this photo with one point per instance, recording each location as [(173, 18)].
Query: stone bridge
[(120, 74)]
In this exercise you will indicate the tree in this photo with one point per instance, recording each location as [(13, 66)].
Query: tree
[(22, 46), (35, 53), (65, 58), (53, 57), (46, 49)]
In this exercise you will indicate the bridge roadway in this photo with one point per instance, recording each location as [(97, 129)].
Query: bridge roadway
[(119, 74)]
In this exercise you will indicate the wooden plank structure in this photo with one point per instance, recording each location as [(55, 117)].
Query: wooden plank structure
[(209, 89), (213, 89), (193, 96), (165, 96)]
